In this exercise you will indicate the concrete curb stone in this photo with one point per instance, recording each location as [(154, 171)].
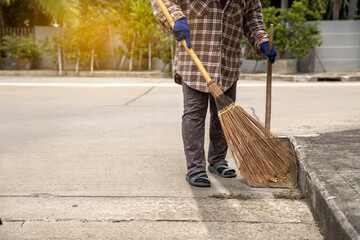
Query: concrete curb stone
[(53, 73), (305, 77), (296, 77), (333, 222)]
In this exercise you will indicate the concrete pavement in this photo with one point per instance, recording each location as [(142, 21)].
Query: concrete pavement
[(107, 162), (330, 177), (294, 77)]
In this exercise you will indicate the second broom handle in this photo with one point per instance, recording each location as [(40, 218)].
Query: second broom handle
[(269, 82), (183, 41)]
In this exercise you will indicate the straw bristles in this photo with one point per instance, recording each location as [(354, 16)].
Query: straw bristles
[(258, 154)]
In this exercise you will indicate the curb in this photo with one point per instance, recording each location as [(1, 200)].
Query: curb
[(306, 77), (298, 77), (110, 74), (331, 220)]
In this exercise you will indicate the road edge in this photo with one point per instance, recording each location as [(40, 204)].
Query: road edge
[(331, 221)]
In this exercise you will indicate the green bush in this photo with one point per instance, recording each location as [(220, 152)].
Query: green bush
[(21, 47), (292, 37), (51, 45)]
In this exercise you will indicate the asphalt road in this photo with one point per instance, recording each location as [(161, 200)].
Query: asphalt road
[(103, 158)]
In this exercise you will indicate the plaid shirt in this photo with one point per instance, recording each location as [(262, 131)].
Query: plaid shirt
[(215, 36)]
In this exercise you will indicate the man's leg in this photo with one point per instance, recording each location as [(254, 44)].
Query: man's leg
[(218, 146), (193, 126)]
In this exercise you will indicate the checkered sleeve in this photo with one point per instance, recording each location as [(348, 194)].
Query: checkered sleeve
[(254, 28), (173, 8)]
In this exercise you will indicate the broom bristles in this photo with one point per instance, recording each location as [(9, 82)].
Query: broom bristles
[(258, 154)]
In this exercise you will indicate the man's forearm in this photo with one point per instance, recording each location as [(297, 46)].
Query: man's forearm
[(254, 28)]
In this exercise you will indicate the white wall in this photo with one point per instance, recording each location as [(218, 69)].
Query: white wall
[(340, 51)]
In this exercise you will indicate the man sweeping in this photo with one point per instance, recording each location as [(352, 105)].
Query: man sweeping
[(214, 30)]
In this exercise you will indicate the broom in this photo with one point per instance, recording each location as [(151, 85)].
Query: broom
[(258, 154)]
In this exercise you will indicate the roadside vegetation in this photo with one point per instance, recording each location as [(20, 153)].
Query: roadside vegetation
[(88, 24)]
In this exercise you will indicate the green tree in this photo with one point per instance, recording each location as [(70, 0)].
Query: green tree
[(22, 14), (63, 11), (337, 9), (21, 47), (136, 27), (89, 33), (144, 24), (89, 24), (293, 37), (64, 50)]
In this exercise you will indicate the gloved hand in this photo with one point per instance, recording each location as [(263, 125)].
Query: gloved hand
[(181, 30), (271, 55)]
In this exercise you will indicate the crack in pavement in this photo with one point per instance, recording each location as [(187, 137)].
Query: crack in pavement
[(253, 197), (254, 114), (112, 220), (95, 196), (14, 220), (141, 95)]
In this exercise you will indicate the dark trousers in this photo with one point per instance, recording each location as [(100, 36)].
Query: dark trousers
[(193, 128)]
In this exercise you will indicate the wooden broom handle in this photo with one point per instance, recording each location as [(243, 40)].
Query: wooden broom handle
[(268, 82), (271, 37), (183, 41)]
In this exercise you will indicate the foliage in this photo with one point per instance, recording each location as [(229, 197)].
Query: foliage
[(93, 23), (136, 25), (326, 7), (292, 37), (290, 193), (71, 48), (21, 47), (265, 3), (51, 46), (86, 34), (225, 196), (90, 31), (164, 47), (23, 14), (63, 11)]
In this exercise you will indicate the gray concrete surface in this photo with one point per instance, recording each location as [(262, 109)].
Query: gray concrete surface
[(330, 177), (89, 161), (156, 218)]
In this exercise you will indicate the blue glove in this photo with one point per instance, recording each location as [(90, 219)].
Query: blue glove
[(181, 30), (271, 55)]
